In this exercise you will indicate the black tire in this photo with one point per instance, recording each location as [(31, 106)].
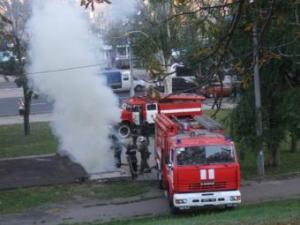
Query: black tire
[(138, 88), (124, 130), (160, 182), (174, 210), (230, 207)]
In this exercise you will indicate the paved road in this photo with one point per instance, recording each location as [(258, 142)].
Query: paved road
[(9, 96), (7, 85)]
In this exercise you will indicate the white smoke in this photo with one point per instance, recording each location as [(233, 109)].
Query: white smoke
[(118, 11), (121, 9), (84, 106)]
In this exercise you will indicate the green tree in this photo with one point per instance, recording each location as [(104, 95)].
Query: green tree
[(278, 49), (17, 13)]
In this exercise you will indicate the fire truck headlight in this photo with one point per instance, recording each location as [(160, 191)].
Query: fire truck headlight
[(180, 201), (235, 198)]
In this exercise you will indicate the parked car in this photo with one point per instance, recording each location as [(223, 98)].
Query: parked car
[(181, 84), (216, 90)]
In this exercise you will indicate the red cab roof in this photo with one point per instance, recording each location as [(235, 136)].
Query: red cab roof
[(143, 99)]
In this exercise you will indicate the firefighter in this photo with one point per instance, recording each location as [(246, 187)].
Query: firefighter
[(145, 154), (117, 147), (134, 134), (145, 131), (132, 159)]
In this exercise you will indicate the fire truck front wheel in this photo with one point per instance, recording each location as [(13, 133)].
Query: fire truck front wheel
[(174, 210), (124, 130)]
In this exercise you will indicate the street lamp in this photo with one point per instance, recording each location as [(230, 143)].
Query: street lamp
[(130, 67), (127, 34), (130, 55)]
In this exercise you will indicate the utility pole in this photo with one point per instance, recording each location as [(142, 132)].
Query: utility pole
[(258, 112), (131, 67), (167, 60)]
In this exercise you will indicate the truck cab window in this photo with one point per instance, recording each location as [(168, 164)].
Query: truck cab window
[(136, 108), (151, 107), (125, 77), (199, 155), (128, 107)]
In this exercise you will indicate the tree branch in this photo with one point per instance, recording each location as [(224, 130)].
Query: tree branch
[(5, 19), (203, 8), (267, 21)]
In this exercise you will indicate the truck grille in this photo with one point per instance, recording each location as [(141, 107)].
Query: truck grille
[(207, 186)]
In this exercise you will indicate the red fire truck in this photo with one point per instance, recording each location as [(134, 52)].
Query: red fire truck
[(197, 165), (136, 110)]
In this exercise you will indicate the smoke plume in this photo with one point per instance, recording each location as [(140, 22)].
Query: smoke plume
[(121, 9), (84, 106)]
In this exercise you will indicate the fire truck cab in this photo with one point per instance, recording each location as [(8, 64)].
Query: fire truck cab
[(136, 110), (197, 165)]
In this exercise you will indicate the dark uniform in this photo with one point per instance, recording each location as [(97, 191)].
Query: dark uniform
[(117, 147), (132, 159), (145, 154), (134, 134), (145, 131)]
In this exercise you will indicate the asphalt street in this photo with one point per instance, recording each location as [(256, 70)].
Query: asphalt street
[(9, 106)]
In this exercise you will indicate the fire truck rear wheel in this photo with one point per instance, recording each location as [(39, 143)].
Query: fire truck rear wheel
[(124, 130), (138, 88)]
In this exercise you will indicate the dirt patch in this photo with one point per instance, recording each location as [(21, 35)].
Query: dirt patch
[(39, 171)]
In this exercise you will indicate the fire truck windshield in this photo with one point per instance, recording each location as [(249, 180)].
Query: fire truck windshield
[(127, 106), (199, 155)]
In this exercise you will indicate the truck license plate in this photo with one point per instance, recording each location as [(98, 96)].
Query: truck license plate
[(208, 200)]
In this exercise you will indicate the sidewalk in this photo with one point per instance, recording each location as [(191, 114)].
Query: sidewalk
[(8, 120), (9, 78)]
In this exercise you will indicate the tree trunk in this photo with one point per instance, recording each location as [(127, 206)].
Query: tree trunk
[(27, 102), (274, 156), (259, 128), (293, 144), (27, 93)]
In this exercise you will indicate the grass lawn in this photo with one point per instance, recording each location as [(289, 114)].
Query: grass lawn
[(13, 142), (22, 199), (272, 213), (41, 141)]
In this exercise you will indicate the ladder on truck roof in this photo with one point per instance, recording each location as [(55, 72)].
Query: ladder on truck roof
[(208, 123), (198, 122)]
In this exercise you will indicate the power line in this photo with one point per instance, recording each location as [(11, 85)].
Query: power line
[(66, 69)]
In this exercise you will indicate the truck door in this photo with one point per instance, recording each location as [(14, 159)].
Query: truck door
[(125, 81), (137, 114), (151, 111), (170, 169)]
